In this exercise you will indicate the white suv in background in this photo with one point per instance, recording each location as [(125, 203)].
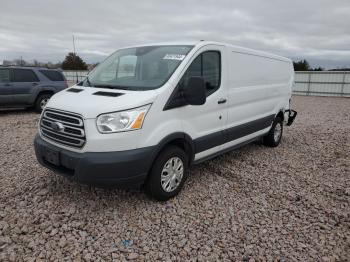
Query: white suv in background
[(147, 113)]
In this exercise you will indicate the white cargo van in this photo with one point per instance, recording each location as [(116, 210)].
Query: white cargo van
[(147, 113)]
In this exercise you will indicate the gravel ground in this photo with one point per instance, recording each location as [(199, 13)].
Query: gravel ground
[(256, 203)]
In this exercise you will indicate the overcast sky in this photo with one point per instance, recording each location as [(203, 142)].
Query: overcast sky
[(317, 30)]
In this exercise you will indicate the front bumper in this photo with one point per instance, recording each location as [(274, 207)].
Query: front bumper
[(125, 169)]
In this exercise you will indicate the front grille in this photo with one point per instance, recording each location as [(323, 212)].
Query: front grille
[(62, 127)]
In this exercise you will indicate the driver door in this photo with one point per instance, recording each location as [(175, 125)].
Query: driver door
[(205, 123)]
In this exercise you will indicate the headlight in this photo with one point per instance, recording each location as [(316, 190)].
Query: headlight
[(122, 121)]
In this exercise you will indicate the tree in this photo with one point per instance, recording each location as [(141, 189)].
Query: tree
[(318, 69), (301, 65), (73, 62)]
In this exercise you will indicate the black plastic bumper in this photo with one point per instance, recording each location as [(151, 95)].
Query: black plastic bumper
[(125, 169)]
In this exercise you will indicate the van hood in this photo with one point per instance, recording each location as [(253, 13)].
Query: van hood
[(91, 102)]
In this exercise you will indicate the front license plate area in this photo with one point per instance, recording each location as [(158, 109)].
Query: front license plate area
[(52, 157)]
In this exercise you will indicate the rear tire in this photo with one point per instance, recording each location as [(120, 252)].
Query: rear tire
[(168, 174), (41, 102), (273, 138)]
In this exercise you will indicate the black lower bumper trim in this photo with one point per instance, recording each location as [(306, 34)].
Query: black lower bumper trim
[(125, 169)]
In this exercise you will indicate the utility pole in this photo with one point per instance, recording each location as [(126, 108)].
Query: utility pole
[(75, 59)]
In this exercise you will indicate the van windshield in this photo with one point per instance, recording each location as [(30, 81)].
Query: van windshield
[(139, 68)]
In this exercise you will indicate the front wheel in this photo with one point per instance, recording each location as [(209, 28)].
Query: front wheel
[(168, 174), (273, 138)]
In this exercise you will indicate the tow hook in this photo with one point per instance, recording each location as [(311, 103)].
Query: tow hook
[(291, 116)]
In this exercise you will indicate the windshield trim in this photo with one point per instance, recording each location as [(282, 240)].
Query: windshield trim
[(138, 88)]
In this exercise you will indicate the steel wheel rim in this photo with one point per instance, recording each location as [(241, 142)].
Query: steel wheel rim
[(43, 103), (277, 132), (172, 174)]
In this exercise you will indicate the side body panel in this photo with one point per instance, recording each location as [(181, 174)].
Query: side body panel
[(258, 88)]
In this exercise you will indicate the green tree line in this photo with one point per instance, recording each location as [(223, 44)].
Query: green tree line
[(304, 65)]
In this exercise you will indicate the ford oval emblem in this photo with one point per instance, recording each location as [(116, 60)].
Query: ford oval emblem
[(57, 126)]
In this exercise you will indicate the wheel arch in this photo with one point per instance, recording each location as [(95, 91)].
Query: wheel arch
[(43, 92), (280, 114), (182, 140)]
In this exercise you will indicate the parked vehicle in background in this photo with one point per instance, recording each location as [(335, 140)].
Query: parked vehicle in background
[(29, 86), (147, 113)]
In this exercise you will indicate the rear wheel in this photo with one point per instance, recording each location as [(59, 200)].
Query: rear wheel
[(273, 138), (168, 174), (41, 102)]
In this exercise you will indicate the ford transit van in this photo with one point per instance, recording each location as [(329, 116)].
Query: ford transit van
[(147, 113)]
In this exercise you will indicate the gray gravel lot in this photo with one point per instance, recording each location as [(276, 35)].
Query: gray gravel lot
[(287, 203)]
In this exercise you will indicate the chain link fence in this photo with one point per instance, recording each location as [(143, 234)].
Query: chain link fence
[(322, 83), (74, 77)]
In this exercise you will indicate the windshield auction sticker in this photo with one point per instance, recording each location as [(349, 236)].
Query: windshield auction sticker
[(174, 57)]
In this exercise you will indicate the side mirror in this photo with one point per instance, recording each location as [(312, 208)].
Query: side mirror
[(194, 92)]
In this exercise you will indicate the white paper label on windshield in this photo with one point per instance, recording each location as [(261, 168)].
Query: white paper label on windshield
[(174, 57)]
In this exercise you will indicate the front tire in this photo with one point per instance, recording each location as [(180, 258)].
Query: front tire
[(273, 138), (41, 102), (168, 174)]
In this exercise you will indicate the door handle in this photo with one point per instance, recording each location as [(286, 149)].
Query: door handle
[(34, 84), (7, 85), (222, 101)]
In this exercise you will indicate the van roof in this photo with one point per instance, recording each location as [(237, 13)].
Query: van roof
[(234, 48)]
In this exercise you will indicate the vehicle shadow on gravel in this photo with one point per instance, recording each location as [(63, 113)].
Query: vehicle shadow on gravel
[(81, 195), (61, 187), (219, 165), (242, 168)]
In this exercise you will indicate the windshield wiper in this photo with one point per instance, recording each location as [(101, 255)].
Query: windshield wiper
[(88, 81), (112, 87)]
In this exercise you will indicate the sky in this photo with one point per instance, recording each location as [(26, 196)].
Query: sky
[(316, 30)]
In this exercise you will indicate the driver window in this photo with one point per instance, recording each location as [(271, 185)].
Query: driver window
[(126, 66), (208, 66)]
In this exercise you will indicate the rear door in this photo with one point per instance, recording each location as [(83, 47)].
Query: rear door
[(24, 81), (5, 87)]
